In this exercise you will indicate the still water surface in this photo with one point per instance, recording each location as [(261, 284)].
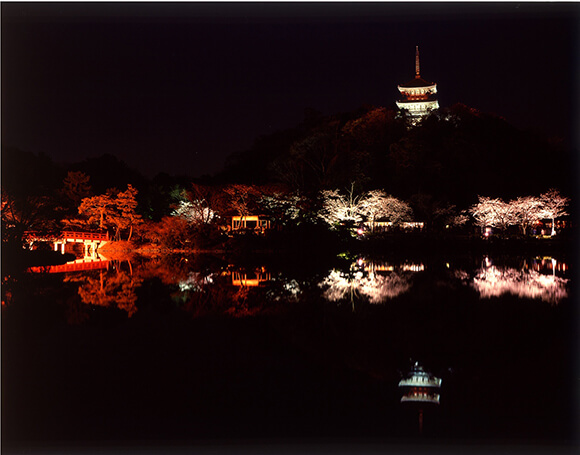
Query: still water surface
[(200, 349)]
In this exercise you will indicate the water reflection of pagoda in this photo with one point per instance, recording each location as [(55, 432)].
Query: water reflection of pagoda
[(420, 388)]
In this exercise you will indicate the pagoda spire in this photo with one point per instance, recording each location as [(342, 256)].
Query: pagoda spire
[(417, 75)]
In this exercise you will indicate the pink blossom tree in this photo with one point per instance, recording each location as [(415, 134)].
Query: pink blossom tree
[(554, 206), (493, 213), (526, 211), (377, 204)]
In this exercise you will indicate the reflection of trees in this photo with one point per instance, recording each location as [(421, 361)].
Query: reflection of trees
[(110, 288), (493, 281), (235, 293), (365, 280)]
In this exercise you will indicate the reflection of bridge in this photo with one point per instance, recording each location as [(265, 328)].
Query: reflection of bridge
[(74, 266), (90, 241), (246, 279)]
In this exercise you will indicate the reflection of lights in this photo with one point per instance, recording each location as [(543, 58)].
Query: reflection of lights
[(375, 287), (421, 396), (413, 267), (292, 287), (493, 282), (195, 282), (549, 264), (258, 277)]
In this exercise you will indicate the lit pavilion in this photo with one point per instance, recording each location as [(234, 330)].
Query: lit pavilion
[(419, 94)]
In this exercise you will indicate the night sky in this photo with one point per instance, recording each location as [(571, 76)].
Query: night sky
[(176, 88)]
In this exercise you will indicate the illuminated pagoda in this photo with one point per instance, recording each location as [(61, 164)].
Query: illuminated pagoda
[(419, 94)]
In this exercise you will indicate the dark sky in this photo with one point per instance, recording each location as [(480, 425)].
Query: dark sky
[(178, 87)]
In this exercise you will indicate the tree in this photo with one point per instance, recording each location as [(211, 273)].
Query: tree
[(98, 209), (376, 204), (242, 198), (114, 209), (554, 206), (200, 205), (317, 153), (126, 215), (526, 211), (338, 208), (284, 207), (21, 213), (170, 232), (493, 213), (76, 186)]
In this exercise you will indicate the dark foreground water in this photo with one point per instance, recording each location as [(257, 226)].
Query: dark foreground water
[(185, 354)]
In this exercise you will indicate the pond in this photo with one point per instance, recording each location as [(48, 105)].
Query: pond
[(199, 351)]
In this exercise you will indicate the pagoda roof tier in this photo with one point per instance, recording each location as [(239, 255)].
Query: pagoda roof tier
[(423, 101), (418, 82)]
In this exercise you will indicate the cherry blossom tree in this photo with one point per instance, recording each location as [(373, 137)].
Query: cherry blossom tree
[(554, 206), (377, 204), (340, 208), (493, 213), (194, 212), (526, 211)]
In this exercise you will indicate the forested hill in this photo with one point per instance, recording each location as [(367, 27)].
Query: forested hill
[(452, 156)]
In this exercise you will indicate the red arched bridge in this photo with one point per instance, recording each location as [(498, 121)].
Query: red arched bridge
[(90, 240)]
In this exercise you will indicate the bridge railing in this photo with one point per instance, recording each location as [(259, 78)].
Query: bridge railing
[(84, 235), (68, 235)]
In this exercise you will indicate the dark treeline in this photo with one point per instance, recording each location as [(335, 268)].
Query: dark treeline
[(448, 160), (454, 155)]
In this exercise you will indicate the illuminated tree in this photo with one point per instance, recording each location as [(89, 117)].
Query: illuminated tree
[(377, 204), (338, 208), (200, 205), (170, 232), (194, 212), (526, 211), (242, 198), (493, 213), (554, 206), (98, 210), (115, 209), (126, 216)]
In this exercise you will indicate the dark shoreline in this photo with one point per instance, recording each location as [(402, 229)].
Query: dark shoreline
[(250, 248)]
